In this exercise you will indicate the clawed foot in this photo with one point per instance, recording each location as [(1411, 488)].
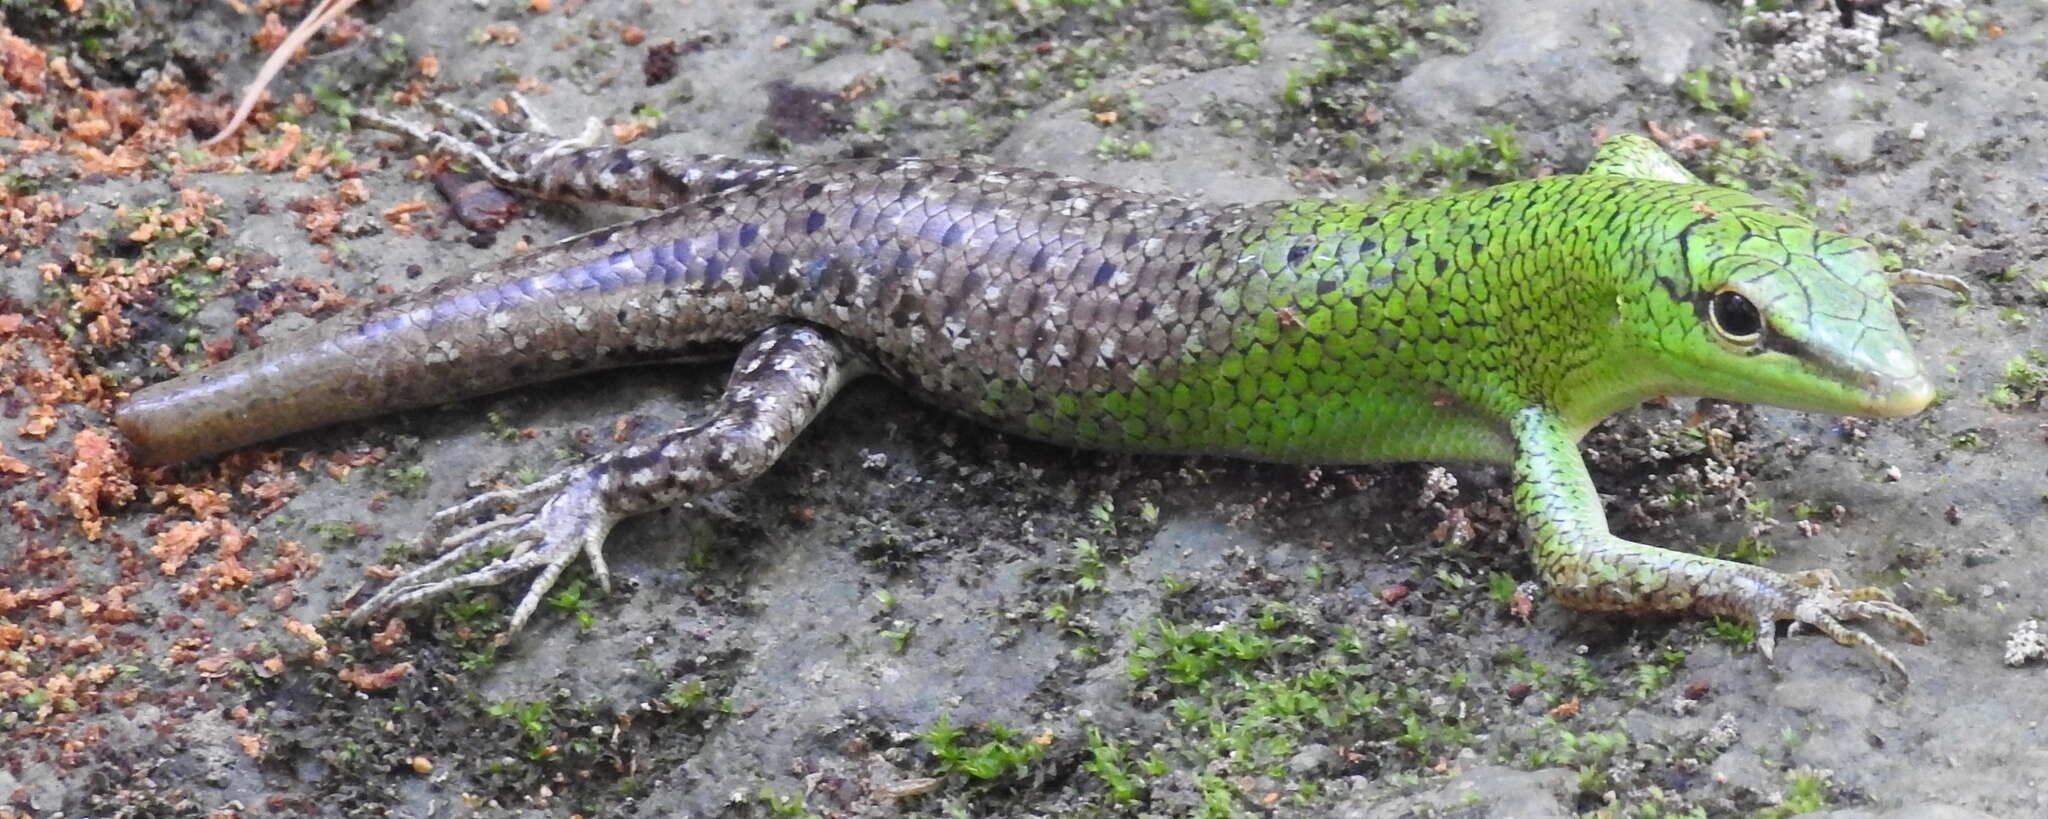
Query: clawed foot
[(571, 520), (1952, 284), (531, 146), (1818, 599)]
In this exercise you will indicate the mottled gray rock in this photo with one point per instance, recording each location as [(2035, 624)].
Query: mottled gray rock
[(1541, 64)]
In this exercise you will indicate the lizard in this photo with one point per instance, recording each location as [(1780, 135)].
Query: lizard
[(1492, 326)]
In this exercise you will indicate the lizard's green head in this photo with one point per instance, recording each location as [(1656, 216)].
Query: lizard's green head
[(1776, 311)]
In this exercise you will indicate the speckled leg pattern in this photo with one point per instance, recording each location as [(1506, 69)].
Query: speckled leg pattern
[(780, 382), (1592, 570), (538, 164)]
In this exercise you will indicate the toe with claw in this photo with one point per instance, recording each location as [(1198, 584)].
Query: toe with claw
[(1818, 599), (1952, 284), (571, 520), (509, 152)]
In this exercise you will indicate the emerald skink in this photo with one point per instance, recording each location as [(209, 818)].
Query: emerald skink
[(1493, 326)]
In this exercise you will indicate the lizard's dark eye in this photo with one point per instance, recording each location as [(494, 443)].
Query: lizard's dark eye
[(1735, 317)]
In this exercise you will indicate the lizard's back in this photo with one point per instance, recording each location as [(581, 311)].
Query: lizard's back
[(1065, 310)]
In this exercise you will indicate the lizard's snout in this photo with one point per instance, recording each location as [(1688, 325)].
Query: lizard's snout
[(1897, 397)]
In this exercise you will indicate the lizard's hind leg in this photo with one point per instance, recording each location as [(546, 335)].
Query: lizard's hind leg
[(536, 163), (780, 382)]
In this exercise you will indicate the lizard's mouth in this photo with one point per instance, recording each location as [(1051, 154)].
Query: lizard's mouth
[(1897, 397)]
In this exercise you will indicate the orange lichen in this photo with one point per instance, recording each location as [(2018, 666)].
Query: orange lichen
[(390, 637), (272, 34), (40, 421), (366, 680), (340, 464), (99, 474), (273, 159), (176, 544), (204, 502), (22, 64), (625, 132)]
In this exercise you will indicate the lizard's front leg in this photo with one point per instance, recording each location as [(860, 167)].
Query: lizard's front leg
[(1592, 570), (780, 382)]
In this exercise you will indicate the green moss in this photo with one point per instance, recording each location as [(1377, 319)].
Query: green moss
[(1579, 748), (1006, 754), (1013, 59), (1247, 697), (1488, 160), (534, 718), (779, 805), (181, 250), (408, 481), (501, 427), (1716, 90), (339, 532), (1733, 633), (1746, 550), (1806, 791), (1750, 166), (2025, 382), (1111, 763), (569, 599), (1087, 566), (1952, 27), (1342, 86), (1656, 672)]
